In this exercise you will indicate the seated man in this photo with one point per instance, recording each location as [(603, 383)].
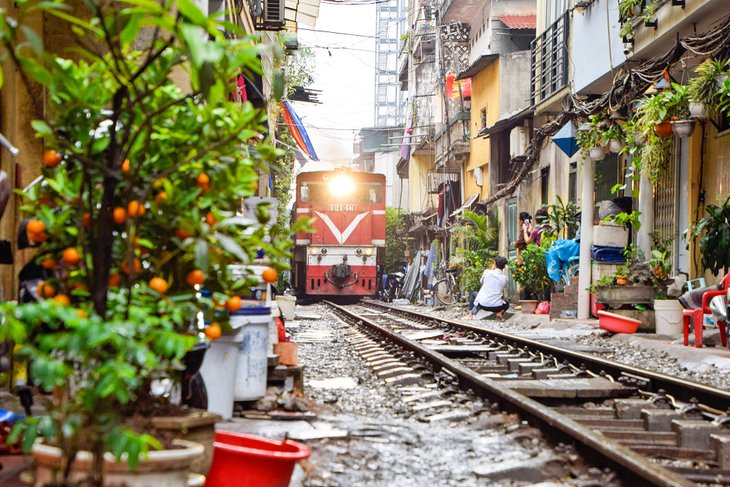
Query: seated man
[(491, 295)]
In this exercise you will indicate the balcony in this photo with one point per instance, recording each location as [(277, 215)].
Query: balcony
[(549, 53), (403, 65), (453, 150)]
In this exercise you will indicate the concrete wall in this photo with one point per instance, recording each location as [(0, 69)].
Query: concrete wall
[(514, 79), (418, 197), (396, 189), (488, 35), (595, 45)]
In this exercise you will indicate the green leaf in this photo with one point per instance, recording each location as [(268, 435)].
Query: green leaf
[(231, 246), (33, 39), (41, 127), (202, 257), (191, 11)]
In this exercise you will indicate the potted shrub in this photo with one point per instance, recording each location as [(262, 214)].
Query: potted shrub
[(667, 312), (590, 137), (702, 90), (713, 230), (615, 136), (532, 275), (138, 209), (682, 125)]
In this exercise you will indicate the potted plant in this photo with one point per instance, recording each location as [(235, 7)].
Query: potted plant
[(138, 210), (702, 90), (531, 273), (682, 125), (590, 137), (615, 136), (713, 230), (667, 312)]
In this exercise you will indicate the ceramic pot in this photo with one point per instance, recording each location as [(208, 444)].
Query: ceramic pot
[(615, 146), (697, 110), (528, 306), (663, 129), (598, 153), (683, 128), (162, 468)]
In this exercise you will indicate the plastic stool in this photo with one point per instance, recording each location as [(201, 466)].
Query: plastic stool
[(697, 321)]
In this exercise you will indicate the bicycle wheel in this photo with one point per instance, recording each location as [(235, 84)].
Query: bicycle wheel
[(442, 292)]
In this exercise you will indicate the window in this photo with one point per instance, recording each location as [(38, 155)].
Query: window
[(483, 118), (544, 186), (479, 176)]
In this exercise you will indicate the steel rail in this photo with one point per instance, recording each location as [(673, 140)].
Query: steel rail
[(631, 466), (680, 389)]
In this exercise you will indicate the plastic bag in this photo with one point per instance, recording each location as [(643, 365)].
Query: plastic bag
[(543, 308)]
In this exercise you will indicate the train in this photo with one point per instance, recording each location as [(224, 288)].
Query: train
[(340, 257)]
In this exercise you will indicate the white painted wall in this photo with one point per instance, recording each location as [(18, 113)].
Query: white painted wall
[(595, 29), (396, 189)]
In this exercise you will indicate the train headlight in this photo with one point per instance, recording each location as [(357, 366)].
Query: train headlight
[(369, 251), (358, 252), (314, 250), (341, 185)]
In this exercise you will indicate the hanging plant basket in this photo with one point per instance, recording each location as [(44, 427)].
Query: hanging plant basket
[(615, 146), (663, 129), (683, 128), (697, 110), (598, 153)]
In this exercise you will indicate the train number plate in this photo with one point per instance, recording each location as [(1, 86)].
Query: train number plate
[(341, 207)]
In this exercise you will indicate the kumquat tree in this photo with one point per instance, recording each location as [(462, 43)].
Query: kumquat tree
[(139, 207)]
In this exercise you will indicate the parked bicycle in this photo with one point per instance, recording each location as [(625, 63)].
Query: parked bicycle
[(446, 289)]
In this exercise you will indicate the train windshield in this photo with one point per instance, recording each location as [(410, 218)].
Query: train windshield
[(358, 192)]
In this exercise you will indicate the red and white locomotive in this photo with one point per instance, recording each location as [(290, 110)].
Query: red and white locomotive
[(340, 256)]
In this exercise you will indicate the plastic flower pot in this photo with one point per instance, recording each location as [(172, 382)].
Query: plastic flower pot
[(244, 460), (598, 153), (697, 110), (617, 323), (683, 128), (615, 145)]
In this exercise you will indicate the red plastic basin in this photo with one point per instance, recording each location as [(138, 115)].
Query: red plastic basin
[(617, 323), (249, 461)]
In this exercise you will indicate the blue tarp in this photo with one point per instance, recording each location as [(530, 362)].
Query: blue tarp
[(613, 255), (559, 255)]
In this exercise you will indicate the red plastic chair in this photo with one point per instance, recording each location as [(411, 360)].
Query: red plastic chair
[(697, 318), (706, 298)]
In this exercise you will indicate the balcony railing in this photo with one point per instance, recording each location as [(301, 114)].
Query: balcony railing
[(549, 72)]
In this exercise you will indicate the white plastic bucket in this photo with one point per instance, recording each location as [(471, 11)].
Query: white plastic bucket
[(253, 352), (668, 316), (219, 374)]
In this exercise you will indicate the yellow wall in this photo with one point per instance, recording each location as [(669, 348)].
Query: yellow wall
[(484, 93), (418, 197)]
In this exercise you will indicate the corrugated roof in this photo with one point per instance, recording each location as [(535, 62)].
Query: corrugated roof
[(482, 62), (519, 21)]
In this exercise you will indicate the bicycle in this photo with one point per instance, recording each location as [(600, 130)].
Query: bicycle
[(446, 290)]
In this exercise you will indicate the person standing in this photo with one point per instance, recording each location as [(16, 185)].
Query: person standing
[(541, 224), (491, 295), (524, 228)]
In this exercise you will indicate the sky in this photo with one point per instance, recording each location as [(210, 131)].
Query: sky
[(346, 78)]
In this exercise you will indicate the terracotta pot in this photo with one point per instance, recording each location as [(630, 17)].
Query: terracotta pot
[(163, 468), (287, 352), (683, 128), (598, 153), (663, 129), (622, 280), (528, 306)]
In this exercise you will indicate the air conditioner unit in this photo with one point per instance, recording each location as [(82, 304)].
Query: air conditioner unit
[(517, 141), (268, 14)]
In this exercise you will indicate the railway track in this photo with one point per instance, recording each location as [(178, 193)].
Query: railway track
[(651, 429)]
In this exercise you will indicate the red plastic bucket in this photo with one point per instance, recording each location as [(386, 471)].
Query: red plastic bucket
[(248, 461)]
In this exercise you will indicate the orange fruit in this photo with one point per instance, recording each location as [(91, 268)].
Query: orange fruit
[(35, 226), (161, 197), (159, 284), (182, 234), (126, 166), (213, 331), (81, 313), (62, 300), (270, 275), (135, 209), (119, 215), (86, 220), (49, 263), (114, 279), (210, 218), (51, 158), (255, 185), (38, 237), (125, 266), (233, 304), (195, 277), (203, 181), (46, 290), (71, 256)]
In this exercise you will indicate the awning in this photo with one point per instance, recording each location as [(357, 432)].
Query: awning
[(518, 21), (507, 122), (303, 12), (297, 130), (482, 62), (468, 205)]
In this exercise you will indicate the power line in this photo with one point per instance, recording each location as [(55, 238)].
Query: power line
[(337, 33)]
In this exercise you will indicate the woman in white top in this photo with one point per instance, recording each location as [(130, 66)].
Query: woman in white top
[(491, 295)]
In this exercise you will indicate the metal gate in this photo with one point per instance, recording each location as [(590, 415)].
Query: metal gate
[(666, 203)]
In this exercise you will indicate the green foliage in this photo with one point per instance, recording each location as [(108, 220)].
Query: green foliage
[(299, 68), (561, 219), (714, 233), (592, 136), (112, 101), (479, 251), (624, 219), (531, 272), (706, 85), (395, 243), (630, 11)]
